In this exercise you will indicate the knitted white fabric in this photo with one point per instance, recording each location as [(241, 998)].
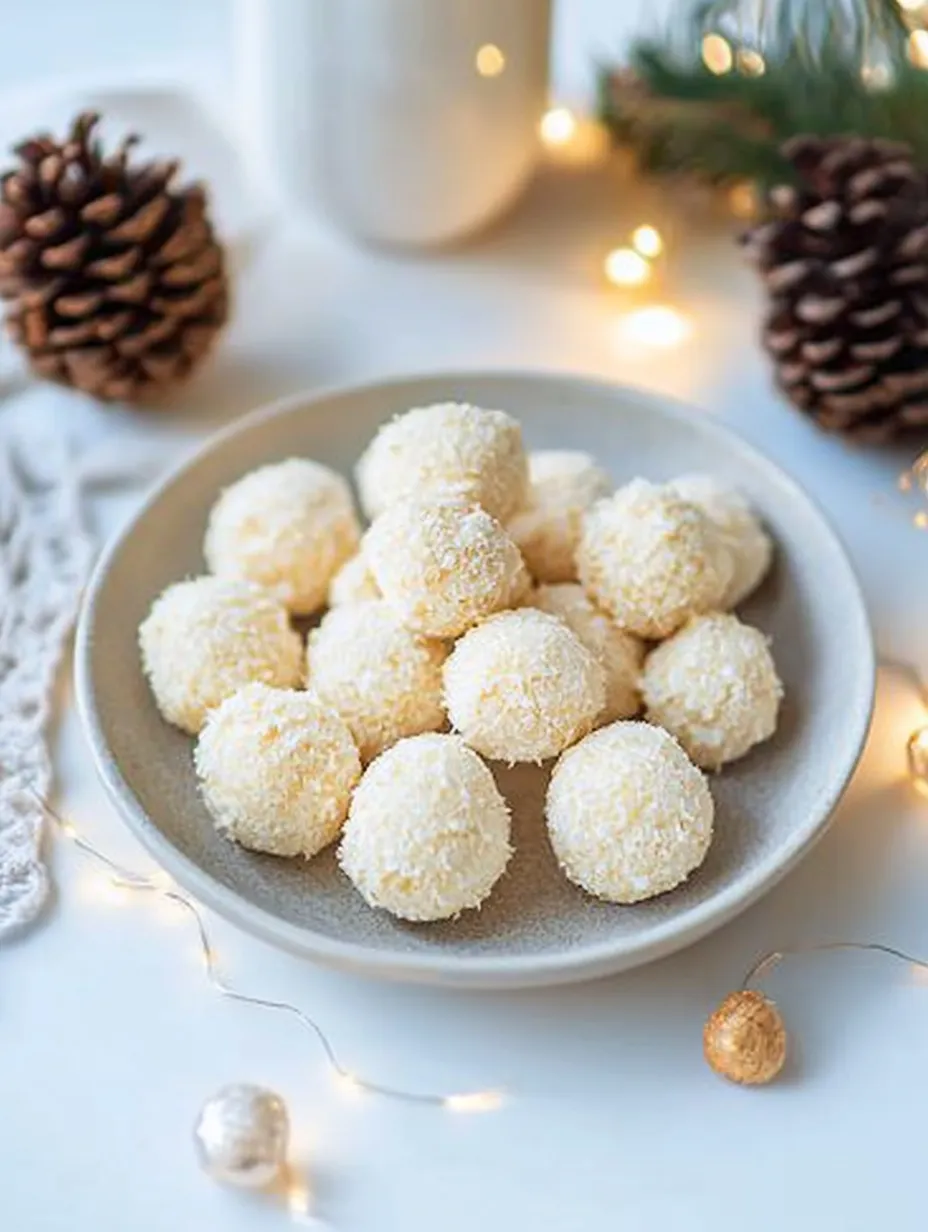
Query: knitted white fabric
[(46, 549)]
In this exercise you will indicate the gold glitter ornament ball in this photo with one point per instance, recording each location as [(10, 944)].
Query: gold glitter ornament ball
[(241, 1136), (745, 1039)]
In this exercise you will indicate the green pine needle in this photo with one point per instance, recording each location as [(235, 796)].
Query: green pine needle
[(680, 117)]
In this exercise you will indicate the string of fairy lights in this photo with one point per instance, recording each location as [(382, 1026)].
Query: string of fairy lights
[(159, 886)]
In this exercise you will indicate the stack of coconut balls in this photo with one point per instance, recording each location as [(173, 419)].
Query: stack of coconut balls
[(516, 600)]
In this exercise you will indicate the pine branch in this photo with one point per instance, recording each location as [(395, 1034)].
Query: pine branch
[(722, 127)]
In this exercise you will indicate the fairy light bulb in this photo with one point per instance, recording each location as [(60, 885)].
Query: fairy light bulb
[(647, 241), (717, 54), (489, 60), (348, 1083), (743, 199), (917, 751), (475, 1101), (917, 47), (624, 267), (750, 63), (558, 126), (658, 325)]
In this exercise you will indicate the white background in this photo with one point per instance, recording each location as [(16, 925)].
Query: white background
[(108, 1039)]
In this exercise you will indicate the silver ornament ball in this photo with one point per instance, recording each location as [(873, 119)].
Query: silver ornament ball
[(241, 1136)]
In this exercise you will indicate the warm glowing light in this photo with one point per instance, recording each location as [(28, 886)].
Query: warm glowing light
[(110, 891), (626, 268), (475, 1101), (717, 54), (743, 200), (920, 521), (917, 750), (918, 975), (749, 62), (910, 6), (876, 76), (657, 326), (298, 1196), (918, 48), (348, 1083), (647, 240), (558, 126), (489, 60)]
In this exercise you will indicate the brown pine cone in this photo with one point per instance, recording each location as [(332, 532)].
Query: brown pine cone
[(115, 280), (844, 257)]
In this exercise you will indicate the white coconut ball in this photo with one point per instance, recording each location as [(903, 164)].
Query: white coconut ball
[(652, 560), (206, 637), (620, 654), (522, 687), (427, 835), (288, 527), (384, 680), (739, 528), (562, 484), (443, 565), (277, 769), (715, 687), (354, 583), (629, 815), (449, 448)]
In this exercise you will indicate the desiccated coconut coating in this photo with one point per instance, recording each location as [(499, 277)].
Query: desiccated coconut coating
[(206, 637), (277, 769), (522, 687), (427, 835), (651, 560), (629, 815), (443, 565), (739, 528), (562, 484), (384, 680), (714, 686), (354, 583), (450, 448), (288, 527), (621, 654)]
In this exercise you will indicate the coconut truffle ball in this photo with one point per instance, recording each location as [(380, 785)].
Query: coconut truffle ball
[(277, 769), (629, 815), (714, 686), (739, 528), (354, 583), (428, 832), (444, 565), (620, 654), (449, 448), (288, 527), (384, 680), (651, 560), (522, 687), (562, 484), (205, 638)]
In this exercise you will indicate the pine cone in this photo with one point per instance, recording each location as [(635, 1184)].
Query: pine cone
[(115, 279), (844, 257)]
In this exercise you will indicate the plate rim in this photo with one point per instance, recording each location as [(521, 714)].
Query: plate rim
[(494, 971)]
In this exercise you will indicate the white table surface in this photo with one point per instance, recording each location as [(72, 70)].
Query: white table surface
[(109, 1040)]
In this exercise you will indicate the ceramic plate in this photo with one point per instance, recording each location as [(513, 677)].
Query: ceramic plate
[(536, 928)]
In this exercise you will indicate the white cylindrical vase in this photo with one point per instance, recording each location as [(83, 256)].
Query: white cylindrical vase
[(410, 122)]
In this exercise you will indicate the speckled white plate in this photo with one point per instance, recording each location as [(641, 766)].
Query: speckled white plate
[(536, 928)]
